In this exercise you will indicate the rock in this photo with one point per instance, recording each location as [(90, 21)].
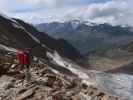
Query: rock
[(46, 85), (39, 95), (51, 80), (50, 98), (26, 94), (81, 96), (6, 82), (85, 97), (105, 97), (58, 97), (6, 87), (13, 65), (42, 93)]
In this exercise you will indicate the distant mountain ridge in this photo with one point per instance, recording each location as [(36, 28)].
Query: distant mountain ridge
[(87, 36)]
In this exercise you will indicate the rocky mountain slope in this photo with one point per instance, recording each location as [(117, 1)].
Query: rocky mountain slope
[(46, 84), (18, 34), (74, 83), (87, 36)]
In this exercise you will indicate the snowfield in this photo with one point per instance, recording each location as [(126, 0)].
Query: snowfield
[(117, 84)]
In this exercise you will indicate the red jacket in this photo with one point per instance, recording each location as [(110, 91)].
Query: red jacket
[(23, 58)]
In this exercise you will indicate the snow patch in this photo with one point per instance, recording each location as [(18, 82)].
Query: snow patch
[(90, 23), (3, 47), (16, 25), (75, 23), (73, 68)]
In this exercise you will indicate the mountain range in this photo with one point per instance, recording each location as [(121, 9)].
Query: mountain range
[(55, 69), (88, 37)]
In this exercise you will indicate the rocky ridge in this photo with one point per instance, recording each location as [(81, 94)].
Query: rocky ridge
[(46, 84)]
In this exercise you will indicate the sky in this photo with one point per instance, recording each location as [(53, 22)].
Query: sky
[(115, 12)]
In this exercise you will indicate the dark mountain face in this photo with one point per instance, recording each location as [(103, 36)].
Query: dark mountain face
[(13, 34), (87, 36), (18, 34)]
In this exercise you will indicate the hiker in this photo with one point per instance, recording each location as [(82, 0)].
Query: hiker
[(24, 59)]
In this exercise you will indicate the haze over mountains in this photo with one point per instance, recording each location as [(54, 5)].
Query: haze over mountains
[(87, 36)]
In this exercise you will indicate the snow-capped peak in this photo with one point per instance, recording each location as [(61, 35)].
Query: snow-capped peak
[(90, 23), (75, 23)]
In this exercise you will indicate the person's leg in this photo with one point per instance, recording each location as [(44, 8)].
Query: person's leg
[(27, 73)]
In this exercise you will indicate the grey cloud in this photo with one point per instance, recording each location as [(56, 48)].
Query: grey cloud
[(116, 12)]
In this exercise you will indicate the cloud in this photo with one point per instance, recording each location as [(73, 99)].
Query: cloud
[(38, 2), (51, 3), (3, 5), (115, 12), (23, 5), (8, 6)]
